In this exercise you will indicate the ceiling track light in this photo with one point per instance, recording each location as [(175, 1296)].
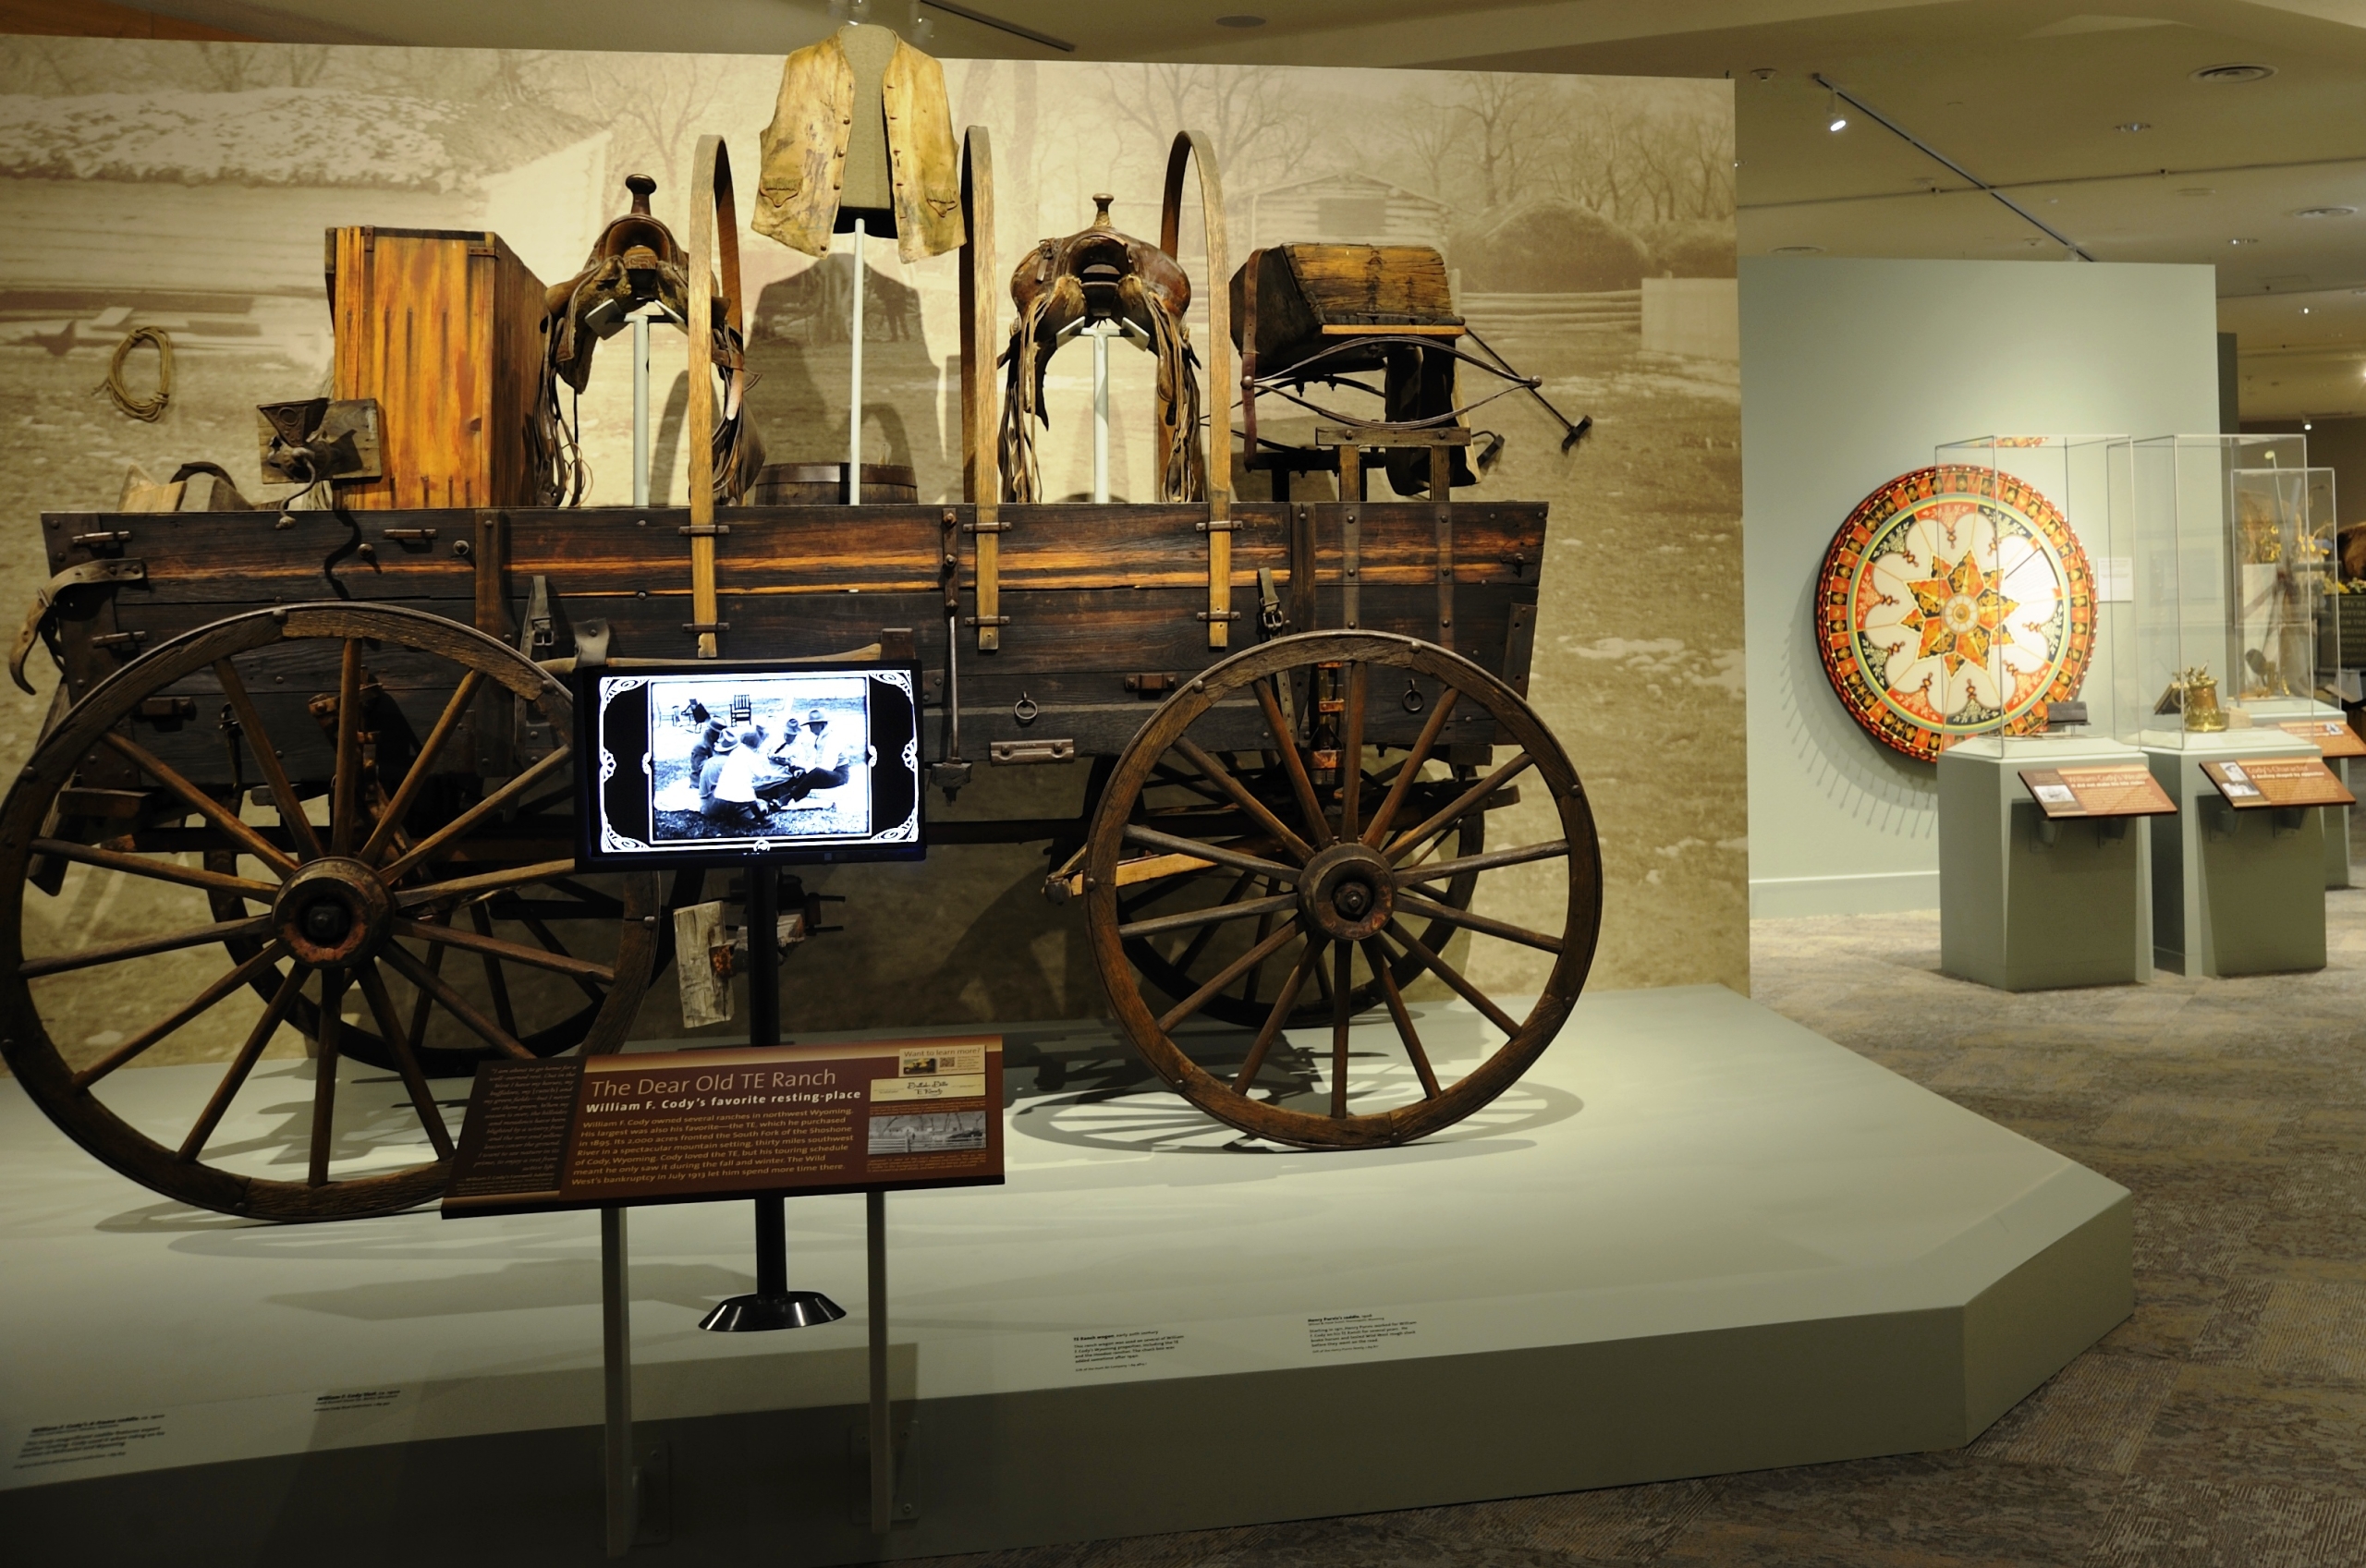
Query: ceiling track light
[(1833, 113), (1899, 131)]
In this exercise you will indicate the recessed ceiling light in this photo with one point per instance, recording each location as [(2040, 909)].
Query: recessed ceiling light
[(1763, 73), (1240, 22), (2242, 243), (2133, 124), (1798, 251), (2222, 76), (2326, 212)]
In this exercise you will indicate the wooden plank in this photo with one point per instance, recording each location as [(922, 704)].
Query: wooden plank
[(441, 327)]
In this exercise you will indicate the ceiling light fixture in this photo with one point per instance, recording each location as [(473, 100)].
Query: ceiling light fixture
[(2242, 243), (1948, 164), (2226, 76), (2133, 124), (2326, 212)]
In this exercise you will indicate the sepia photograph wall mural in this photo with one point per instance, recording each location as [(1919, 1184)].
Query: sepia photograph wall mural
[(1587, 225)]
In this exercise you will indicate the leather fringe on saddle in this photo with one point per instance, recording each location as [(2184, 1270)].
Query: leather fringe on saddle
[(635, 261), (1100, 275)]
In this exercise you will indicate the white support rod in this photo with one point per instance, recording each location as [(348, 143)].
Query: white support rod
[(1100, 330), (640, 409), (854, 393)]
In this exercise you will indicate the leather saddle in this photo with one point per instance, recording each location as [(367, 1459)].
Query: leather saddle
[(635, 262), (1064, 285)]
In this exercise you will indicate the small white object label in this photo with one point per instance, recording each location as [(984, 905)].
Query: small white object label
[(1122, 1349), (2115, 579), (1345, 1331), (81, 1443), (2056, 794)]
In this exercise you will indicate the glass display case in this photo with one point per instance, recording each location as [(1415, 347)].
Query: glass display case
[(2238, 577), (2024, 617)]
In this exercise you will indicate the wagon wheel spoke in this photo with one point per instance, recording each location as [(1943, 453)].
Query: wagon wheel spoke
[(551, 943), (1238, 793), (424, 1000), (490, 951), (1181, 779), (1351, 753), (1207, 929), (391, 818), (1225, 977), (422, 1100), (1294, 764), (345, 796), (426, 979), (1453, 978), (1461, 804), (434, 844), (493, 948), (160, 870), (204, 805), (1342, 989), (1376, 955), (1190, 918), (1256, 971), (142, 947), (1470, 923), (1410, 768), (274, 772), (240, 1065), (333, 987), (230, 980), (1552, 849), (457, 888), (1286, 876), (1309, 961)]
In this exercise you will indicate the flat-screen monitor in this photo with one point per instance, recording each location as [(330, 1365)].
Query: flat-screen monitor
[(707, 763)]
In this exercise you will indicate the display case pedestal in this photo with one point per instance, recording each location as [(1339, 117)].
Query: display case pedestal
[(2030, 904), (2234, 893), (2336, 819)]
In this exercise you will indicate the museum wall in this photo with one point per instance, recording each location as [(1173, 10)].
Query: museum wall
[(1854, 370), (188, 186)]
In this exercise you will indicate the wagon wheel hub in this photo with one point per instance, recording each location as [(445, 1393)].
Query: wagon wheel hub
[(1347, 892), (334, 912)]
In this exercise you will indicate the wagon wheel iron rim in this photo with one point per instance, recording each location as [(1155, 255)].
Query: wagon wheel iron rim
[(1336, 879), (357, 911)]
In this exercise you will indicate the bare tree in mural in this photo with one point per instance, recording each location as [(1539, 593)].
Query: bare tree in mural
[(659, 107), (1260, 138), (1435, 137), (1513, 121)]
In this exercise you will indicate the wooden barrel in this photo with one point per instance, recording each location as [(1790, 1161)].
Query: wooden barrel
[(825, 485)]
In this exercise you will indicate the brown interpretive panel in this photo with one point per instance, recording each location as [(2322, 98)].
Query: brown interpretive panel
[(2098, 792), (689, 1126), (2250, 785), (2332, 737)]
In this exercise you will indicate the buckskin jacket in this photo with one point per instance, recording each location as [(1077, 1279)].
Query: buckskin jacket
[(805, 152)]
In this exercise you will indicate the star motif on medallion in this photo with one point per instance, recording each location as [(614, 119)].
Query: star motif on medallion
[(1958, 609)]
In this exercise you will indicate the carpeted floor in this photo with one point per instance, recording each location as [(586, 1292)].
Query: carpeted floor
[(2223, 1425)]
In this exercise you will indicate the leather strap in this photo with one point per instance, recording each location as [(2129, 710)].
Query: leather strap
[(89, 574)]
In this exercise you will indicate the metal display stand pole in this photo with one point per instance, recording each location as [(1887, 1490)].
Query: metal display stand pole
[(615, 1354), (773, 1305), (641, 408), (883, 1440)]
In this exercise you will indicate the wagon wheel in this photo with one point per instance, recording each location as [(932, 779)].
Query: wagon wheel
[(1333, 882), (1247, 1002), (362, 911)]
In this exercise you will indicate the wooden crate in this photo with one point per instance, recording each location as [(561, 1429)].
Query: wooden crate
[(443, 328)]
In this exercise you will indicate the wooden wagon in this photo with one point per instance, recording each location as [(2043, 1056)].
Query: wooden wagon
[(341, 740)]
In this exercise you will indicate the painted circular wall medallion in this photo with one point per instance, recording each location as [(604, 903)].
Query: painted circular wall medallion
[(1955, 600)]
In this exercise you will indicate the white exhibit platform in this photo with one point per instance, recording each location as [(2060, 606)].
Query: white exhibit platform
[(1697, 1238)]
